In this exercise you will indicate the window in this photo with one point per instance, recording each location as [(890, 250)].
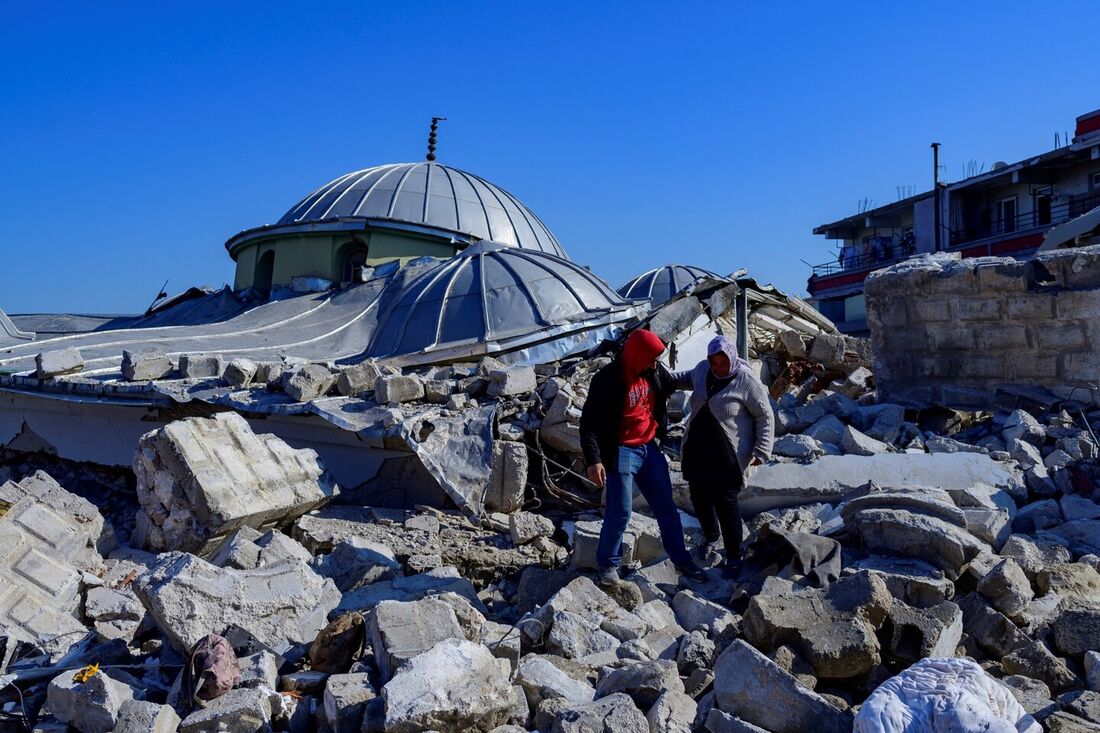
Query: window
[(1006, 215), (1094, 180)]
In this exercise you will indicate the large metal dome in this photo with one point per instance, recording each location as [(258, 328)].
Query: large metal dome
[(661, 284), (428, 195), (491, 298)]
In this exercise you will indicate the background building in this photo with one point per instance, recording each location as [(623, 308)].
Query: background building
[(1006, 212)]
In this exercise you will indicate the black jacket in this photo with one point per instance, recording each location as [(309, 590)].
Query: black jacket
[(603, 411)]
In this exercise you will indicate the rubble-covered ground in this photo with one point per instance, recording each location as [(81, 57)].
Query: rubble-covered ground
[(921, 568)]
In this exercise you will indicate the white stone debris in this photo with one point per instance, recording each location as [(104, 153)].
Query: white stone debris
[(201, 478)]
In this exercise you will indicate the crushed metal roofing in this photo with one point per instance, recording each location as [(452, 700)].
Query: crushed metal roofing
[(500, 298), (429, 195), (661, 284)]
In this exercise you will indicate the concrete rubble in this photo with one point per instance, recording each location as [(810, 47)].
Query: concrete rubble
[(900, 558)]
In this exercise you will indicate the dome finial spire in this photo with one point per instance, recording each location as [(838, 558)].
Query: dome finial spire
[(432, 137)]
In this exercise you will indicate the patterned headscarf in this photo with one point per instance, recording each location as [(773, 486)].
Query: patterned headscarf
[(726, 346)]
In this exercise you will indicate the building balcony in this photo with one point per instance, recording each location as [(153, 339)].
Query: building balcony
[(1038, 220)]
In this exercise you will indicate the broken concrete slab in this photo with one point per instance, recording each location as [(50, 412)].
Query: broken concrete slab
[(525, 527), (200, 478), (242, 710), (673, 712), (574, 636), (90, 706), (641, 542), (831, 478), (358, 379), (138, 716), (356, 562), (612, 714), (48, 539), (919, 633), (281, 603), (752, 687), (456, 685), (143, 366), (856, 443), (1034, 554), (543, 680), (644, 682), (400, 631), (905, 533), (1007, 588), (504, 491), (58, 363), (345, 701), (834, 628), (1077, 630)]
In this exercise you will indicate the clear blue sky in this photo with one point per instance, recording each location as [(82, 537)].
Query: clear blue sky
[(135, 138)]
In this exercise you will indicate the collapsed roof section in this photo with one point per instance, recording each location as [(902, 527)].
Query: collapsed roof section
[(523, 305), (662, 284)]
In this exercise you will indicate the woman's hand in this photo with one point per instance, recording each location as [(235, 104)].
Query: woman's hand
[(597, 474)]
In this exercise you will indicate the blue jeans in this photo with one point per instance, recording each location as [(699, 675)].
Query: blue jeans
[(646, 467)]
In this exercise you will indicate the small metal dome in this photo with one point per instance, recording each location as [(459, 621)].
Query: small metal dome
[(492, 298), (428, 195), (661, 284)]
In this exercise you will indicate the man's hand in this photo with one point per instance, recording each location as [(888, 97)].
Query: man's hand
[(597, 474), (755, 461)]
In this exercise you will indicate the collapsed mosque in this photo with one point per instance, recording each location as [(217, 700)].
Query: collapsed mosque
[(420, 267)]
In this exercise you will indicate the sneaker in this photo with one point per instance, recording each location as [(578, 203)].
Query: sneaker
[(608, 576), (692, 572), (707, 549)]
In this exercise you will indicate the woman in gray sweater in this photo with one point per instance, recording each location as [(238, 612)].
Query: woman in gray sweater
[(730, 430)]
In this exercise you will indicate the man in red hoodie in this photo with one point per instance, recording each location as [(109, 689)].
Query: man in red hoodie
[(623, 416)]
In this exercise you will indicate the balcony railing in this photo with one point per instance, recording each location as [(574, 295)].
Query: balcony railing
[(851, 260), (1037, 219)]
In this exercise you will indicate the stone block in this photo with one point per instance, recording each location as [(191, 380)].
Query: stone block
[(612, 714), (398, 388), (91, 706), (931, 309), (455, 685), (356, 562), (345, 701), (1062, 337), (507, 477), (439, 391), (1077, 630), (525, 527), (58, 363), (514, 380), (358, 379), (402, 630), (307, 382), (1007, 588), (918, 633), (137, 716), (904, 533), (240, 372), (952, 338), (241, 710), (281, 603), (794, 343), (979, 309), (644, 682), (543, 680), (1080, 367), (1031, 307), (997, 337), (143, 366), (755, 689), (198, 479), (201, 366)]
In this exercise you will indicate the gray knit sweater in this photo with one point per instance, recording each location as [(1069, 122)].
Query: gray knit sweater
[(741, 408)]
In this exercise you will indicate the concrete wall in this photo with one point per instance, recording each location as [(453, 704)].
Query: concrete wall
[(953, 331)]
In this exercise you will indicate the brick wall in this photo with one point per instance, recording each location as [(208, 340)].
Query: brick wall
[(952, 331)]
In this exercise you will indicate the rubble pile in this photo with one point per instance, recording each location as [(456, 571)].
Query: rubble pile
[(900, 563), (951, 574)]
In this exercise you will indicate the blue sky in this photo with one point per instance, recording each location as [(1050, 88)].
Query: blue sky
[(135, 138)]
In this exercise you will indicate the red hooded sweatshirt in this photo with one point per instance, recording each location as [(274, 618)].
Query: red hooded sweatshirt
[(638, 426)]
